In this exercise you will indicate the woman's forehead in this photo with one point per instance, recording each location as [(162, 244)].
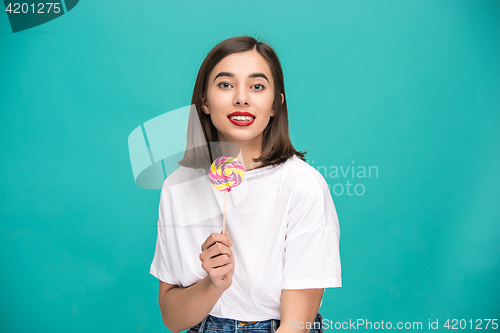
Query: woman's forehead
[(243, 64)]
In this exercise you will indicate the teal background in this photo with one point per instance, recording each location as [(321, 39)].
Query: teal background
[(412, 87)]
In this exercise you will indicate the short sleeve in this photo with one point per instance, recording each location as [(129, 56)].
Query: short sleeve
[(312, 257), (161, 267)]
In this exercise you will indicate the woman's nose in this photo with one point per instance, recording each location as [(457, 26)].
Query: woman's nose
[(241, 97)]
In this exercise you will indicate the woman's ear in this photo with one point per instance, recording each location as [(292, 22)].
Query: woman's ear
[(282, 100), (204, 106)]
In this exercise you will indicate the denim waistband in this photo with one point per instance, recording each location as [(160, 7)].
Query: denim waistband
[(224, 324)]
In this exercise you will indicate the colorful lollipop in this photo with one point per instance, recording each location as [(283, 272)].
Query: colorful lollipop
[(225, 173)]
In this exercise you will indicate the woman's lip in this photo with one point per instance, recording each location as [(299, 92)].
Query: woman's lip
[(241, 113), (241, 123)]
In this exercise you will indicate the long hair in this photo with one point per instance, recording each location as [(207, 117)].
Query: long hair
[(276, 144)]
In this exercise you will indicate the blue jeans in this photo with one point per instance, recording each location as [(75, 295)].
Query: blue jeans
[(213, 324)]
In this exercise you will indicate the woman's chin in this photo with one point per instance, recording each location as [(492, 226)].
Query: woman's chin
[(240, 137)]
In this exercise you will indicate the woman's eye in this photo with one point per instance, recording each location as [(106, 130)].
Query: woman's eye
[(223, 85), (261, 87)]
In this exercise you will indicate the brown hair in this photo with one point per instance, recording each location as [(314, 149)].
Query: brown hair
[(276, 144)]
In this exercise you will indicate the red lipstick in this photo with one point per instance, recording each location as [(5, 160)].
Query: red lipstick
[(241, 122)]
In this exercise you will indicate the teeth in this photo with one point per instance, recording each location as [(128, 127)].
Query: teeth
[(242, 118)]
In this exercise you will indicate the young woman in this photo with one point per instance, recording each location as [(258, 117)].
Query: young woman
[(281, 247)]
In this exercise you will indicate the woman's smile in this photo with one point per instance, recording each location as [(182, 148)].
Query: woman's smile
[(241, 118)]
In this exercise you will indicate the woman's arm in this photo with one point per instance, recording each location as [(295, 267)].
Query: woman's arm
[(298, 307), (183, 308)]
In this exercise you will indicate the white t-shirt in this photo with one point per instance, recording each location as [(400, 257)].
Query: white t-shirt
[(284, 228)]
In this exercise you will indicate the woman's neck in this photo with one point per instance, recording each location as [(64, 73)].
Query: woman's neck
[(249, 150)]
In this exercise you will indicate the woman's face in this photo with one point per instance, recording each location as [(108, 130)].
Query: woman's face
[(240, 82)]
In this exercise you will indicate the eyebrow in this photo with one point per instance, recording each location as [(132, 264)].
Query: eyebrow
[(250, 76)]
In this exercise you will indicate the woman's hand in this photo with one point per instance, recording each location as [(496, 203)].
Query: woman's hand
[(217, 259)]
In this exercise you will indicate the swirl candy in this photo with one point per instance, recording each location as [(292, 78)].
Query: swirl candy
[(226, 172)]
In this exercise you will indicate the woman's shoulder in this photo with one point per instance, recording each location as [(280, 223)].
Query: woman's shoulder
[(183, 175), (306, 184), (298, 168)]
